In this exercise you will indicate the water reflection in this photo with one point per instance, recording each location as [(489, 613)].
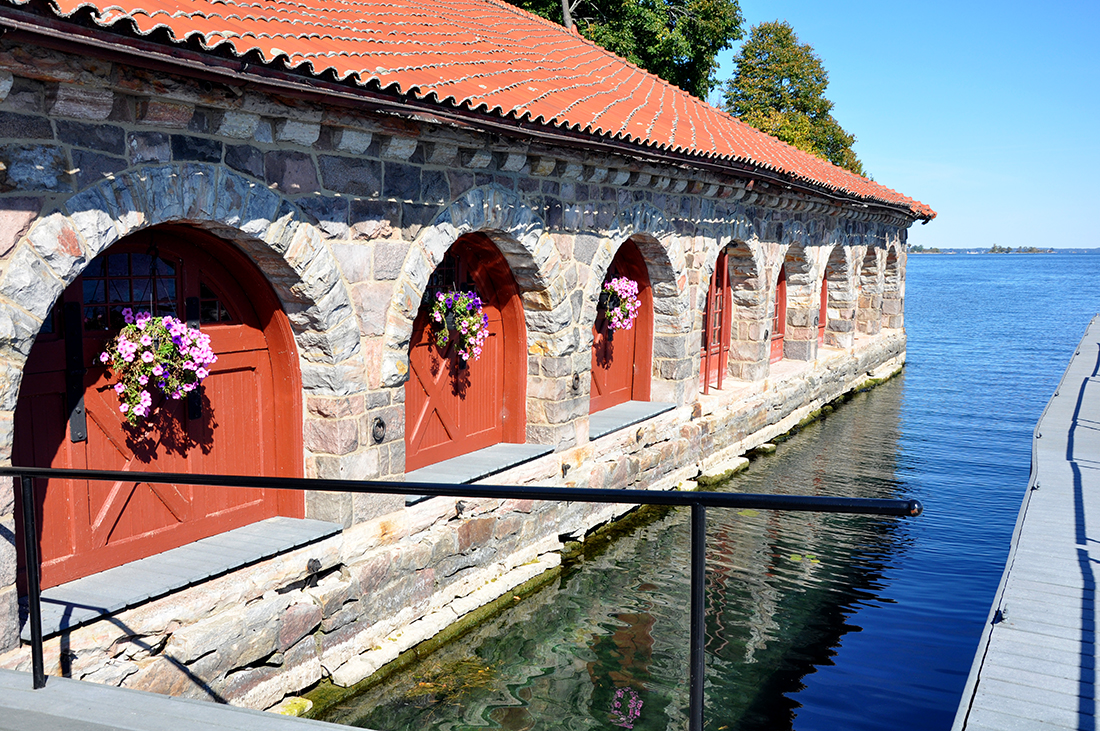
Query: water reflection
[(606, 646)]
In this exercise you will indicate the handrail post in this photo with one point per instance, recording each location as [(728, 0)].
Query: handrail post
[(34, 592), (698, 614)]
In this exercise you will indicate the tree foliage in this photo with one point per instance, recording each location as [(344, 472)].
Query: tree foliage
[(779, 88), (677, 40)]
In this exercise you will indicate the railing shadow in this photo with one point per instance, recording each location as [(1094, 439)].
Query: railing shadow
[(1086, 683), (65, 654)]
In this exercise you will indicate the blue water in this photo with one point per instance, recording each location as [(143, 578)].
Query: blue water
[(814, 621)]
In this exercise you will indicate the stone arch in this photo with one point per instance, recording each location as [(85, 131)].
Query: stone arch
[(272, 231), (869, 312), (517, 231), (673, 316), (842, 300), (800, 337), (749, 301), (893, 287), (667, 264)]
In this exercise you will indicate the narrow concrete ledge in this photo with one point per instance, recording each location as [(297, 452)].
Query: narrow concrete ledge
[(75, 705), (82, 601), (619, 417), (475, 466)]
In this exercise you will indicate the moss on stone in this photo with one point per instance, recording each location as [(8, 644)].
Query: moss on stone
[(608, 533), (716, 479), (293, 706), (326, 694), (830, 407)]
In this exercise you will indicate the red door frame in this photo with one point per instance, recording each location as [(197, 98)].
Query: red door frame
[(779, 317), (74, 540), (626, 358), (493, 279), (823, 312), (716, 326)]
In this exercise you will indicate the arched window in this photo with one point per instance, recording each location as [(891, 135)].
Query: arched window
[(779, 318), (247, 421), (621, 359), (453, 407), (716, 326)]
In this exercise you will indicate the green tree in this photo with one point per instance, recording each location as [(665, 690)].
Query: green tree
[(677, 40), (779, 88)]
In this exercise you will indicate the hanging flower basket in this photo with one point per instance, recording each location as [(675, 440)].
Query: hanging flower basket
[(620, 304), (460, 315), (155, 352)]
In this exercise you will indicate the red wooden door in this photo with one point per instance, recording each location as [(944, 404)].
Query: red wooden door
[(621, 360), (779, 318), (452, 410), (716, 327), (91, 526), (823, 312)]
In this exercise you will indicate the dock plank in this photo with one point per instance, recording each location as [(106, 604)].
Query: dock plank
[(1035, 667)]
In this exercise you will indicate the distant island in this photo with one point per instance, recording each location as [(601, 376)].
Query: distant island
[(995, 249)]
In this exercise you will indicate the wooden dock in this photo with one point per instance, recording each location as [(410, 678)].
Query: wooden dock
[(72, 705), (1036, 663)]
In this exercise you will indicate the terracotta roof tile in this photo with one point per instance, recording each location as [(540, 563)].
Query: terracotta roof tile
[(485, 55)]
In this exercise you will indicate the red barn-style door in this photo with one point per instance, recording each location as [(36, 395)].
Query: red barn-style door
[(779, 317), (247, 420), (621, 360), (716, 326), (452, 410)]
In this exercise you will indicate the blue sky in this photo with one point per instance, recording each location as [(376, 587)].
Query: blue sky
[(988, 112)]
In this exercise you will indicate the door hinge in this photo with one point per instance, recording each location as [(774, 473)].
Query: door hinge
[(74, 373)]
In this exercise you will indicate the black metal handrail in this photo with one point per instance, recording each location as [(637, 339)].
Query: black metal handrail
[(697, 501)]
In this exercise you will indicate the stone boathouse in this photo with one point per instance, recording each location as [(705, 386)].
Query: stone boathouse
[(300, 180)]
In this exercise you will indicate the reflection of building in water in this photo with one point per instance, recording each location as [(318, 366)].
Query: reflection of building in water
[(779, 588), (780, 582)]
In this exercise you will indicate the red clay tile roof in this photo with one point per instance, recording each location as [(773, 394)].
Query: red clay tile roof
[(487, 56)]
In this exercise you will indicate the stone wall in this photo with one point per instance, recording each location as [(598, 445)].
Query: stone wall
[(347, 214)]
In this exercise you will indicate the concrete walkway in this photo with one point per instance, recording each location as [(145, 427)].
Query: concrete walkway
[(1036, 664), (71, 705)]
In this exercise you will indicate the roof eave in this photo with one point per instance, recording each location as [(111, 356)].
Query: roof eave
[(141, 52)]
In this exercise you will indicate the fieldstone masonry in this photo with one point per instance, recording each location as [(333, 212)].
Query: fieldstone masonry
[(347, 215)]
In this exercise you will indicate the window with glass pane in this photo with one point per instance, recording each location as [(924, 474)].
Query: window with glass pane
[(142, 282)]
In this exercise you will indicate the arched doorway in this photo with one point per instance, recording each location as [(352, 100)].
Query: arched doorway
[(779, 315), (246, 421), (716, 326), (451, 407), (621, 359)]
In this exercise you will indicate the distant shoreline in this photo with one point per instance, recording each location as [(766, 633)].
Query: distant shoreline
[(974, 252)]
